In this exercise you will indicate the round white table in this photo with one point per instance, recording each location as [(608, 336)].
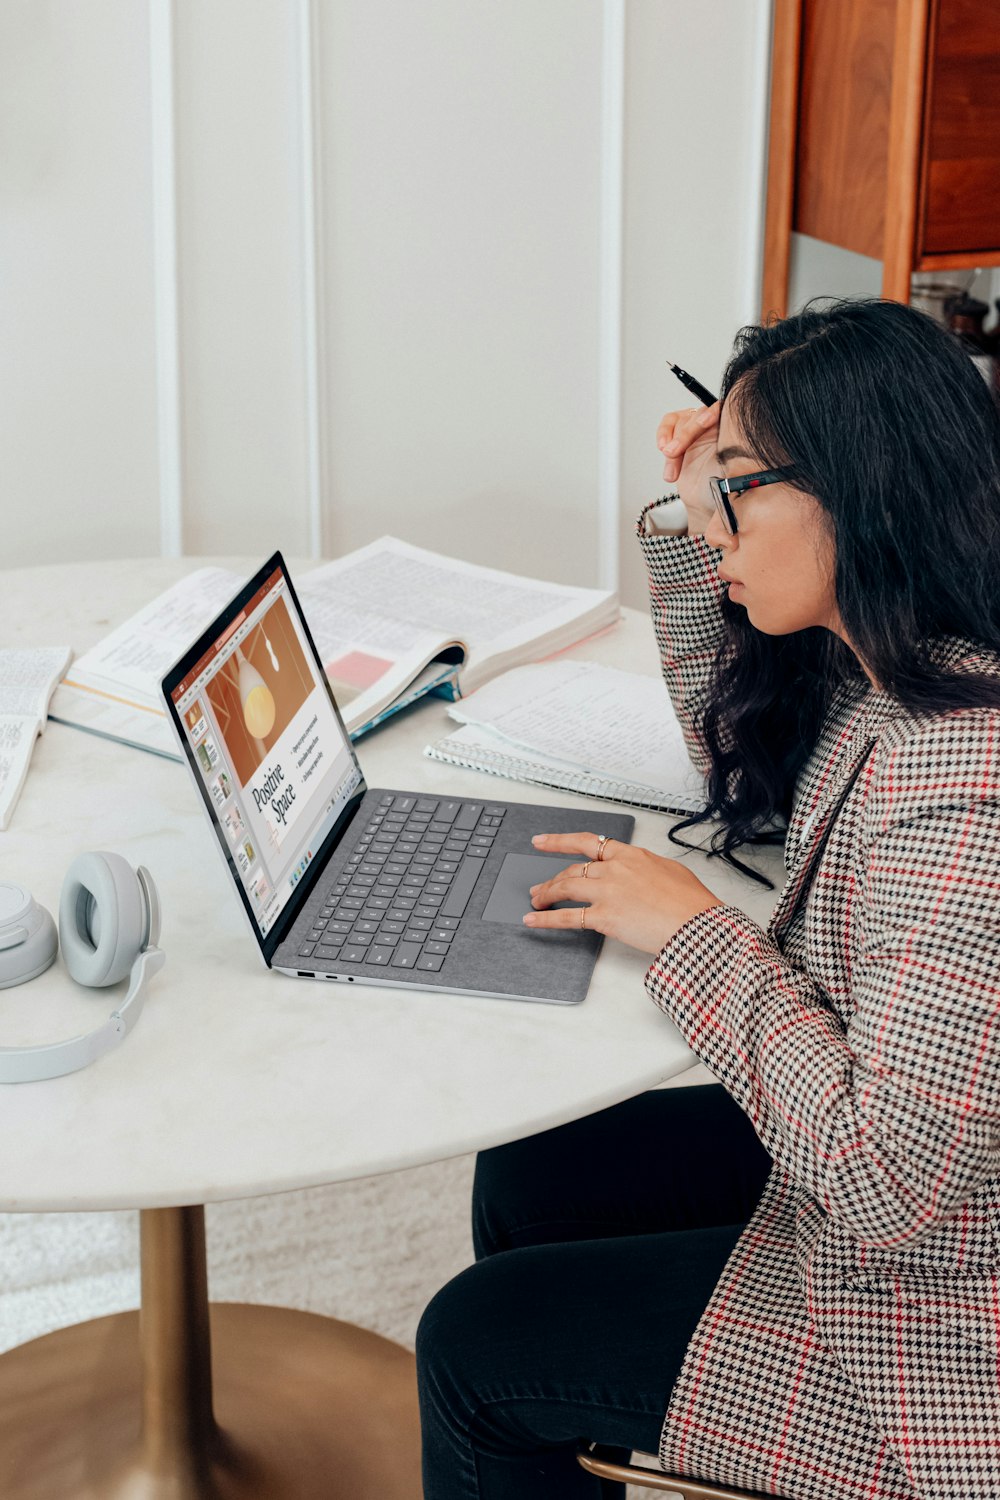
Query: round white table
[(239, 1082)]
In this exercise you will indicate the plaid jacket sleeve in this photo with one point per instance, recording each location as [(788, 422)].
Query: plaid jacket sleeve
[(884, 1107), (684, 594)]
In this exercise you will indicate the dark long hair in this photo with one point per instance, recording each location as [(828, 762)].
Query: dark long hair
[(883, 418)]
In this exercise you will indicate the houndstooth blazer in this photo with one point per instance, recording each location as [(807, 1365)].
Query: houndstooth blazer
[(852, 1346)]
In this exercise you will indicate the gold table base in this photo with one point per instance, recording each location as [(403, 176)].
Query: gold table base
[(183, 1402)]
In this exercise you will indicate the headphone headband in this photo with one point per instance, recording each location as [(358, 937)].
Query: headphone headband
[(56, 1059)]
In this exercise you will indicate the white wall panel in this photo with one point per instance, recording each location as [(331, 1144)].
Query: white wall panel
[(469, 309), (461, 194), (239, 216), (694, 179), (78, 465)]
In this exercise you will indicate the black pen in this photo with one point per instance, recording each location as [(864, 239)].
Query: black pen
[(694, 386)]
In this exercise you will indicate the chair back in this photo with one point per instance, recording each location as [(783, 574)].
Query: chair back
[(593, 1460)]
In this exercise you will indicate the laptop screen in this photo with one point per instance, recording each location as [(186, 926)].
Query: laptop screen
[(268, 749)]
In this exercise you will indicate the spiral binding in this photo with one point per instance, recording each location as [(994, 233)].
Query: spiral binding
[(627, 793)]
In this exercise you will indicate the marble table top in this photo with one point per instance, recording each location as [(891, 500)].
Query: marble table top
[(238, 1081)]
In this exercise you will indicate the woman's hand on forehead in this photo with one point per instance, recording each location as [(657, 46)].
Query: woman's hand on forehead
[(688, 440)]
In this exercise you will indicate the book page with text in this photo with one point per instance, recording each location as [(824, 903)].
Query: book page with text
[(17, 738), (28, 676), (371, 649), (425, 598), (133, 658), (114, 689)]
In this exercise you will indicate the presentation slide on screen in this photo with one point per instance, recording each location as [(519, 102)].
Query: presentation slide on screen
[(279, 734), (259, 689), (280, 789)]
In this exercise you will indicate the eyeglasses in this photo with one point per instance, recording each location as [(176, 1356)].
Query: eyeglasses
[(723, 488)]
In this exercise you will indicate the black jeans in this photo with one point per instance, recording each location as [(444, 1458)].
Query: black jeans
[(598, 1245)]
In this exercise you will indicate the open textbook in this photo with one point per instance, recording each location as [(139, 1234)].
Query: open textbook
[(391, 621), (580, 727), (27, 678)]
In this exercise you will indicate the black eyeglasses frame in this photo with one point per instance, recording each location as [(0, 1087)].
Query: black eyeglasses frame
[(722, 489)]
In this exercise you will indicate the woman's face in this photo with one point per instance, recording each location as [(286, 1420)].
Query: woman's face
[(781, 560)]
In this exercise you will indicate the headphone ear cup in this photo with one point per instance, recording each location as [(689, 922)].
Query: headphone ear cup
[(28, 942), (103, 918)]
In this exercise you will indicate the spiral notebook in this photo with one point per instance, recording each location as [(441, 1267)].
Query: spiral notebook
[(577, 727)]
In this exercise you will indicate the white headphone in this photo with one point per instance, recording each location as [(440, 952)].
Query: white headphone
[(109, 925)]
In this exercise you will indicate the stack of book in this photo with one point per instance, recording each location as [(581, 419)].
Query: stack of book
[(391, 622)]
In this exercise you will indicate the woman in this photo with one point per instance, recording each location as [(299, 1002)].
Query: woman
[(799, 1264)]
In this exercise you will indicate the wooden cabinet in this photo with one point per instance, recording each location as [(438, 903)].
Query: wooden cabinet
[(885, 135)]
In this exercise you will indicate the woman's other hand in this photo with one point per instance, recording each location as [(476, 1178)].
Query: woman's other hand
[(688, 440), (634, 895)]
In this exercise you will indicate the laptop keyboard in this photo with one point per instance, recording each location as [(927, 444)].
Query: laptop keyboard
[(400, 899)]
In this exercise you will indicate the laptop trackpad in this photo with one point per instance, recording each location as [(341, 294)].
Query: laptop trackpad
[(510, 897)]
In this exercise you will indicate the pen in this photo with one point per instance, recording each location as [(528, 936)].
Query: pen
[(694, 386)]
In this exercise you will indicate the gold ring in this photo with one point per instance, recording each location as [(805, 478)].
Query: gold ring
[(604, 839), (586, 869), (583, 918)]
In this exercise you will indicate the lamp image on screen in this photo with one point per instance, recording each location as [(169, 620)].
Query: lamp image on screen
[(258, 690), (256, 698), (275, 663)]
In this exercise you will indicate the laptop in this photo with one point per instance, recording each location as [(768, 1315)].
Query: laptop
[(341, 881)]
